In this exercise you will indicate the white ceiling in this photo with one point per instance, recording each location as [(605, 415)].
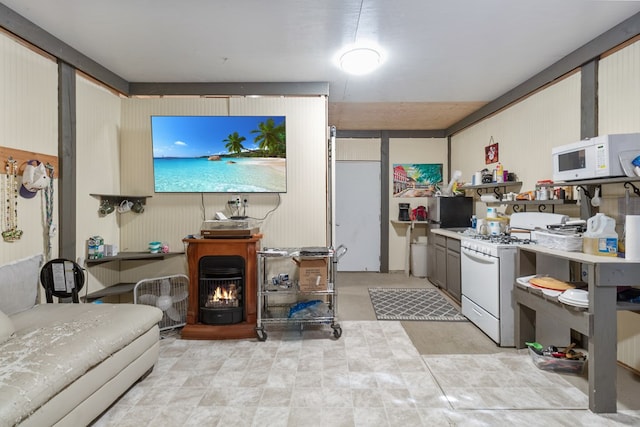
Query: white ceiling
[(453, 54)]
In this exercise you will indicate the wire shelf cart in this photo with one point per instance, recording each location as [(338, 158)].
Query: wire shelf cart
[(307, 296)]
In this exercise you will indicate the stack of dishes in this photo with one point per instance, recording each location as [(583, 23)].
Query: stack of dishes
[(525, 281), (575, 297)]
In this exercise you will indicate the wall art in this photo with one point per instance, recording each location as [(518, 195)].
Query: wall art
[(416, 179)]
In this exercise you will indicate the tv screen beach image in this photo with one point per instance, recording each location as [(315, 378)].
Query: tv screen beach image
[(219, 154)]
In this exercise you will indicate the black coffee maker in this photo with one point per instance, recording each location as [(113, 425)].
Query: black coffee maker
[(404, 212)]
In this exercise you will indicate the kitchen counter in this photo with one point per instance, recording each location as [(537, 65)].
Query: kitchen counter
[(455, 233)]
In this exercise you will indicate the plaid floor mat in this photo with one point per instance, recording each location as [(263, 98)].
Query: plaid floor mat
[(412, 304)]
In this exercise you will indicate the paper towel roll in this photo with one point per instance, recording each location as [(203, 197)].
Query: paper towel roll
[(632, 237)]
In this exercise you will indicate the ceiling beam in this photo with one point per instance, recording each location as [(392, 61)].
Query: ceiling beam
[(230, 89), (30, 32)]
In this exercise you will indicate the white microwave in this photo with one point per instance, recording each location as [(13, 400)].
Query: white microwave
[(597, 157)]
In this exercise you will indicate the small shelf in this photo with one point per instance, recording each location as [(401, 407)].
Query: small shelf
[(132, 256), (541, 204), (492, 185), (596, 181), (117, 289), (495, 186), (118, 198), (626, 180)]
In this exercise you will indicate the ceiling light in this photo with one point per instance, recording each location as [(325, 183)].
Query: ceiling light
[(360, 60)]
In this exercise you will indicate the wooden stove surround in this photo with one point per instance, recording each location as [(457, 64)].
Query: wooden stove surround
[(244, 247)]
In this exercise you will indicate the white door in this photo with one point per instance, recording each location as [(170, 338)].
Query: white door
[(358, 215)]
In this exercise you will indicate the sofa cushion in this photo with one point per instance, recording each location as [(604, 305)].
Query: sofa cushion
[(6, 327), (55, 344), (19, 284)]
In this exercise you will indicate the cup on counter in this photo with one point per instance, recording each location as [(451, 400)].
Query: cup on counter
[(542, 194), (481, 226), (496, 227), (154, 247), (492, 212)]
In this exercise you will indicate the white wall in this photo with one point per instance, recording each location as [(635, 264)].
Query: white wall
[(300, 218), (525, 133), (98, 168), (29, 122), (404, 151)]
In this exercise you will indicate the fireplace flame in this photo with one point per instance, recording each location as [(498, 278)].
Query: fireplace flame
[(223, 296)]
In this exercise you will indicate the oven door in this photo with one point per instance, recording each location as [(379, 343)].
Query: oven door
[(480, 276), (480, 291)]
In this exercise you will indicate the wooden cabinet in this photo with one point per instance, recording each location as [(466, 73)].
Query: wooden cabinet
[(440, 273), (443, 266), (453, 268)]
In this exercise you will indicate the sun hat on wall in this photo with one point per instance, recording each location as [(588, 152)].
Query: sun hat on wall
[(34, 178)]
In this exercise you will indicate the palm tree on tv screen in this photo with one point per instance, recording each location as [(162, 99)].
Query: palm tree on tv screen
[(271, 138), (234, 142)]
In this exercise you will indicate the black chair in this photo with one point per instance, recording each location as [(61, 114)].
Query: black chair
[(62, 278)]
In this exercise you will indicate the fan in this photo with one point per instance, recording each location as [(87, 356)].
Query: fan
[(169, 294)]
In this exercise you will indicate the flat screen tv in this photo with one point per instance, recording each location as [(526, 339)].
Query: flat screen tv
[(219, 154)]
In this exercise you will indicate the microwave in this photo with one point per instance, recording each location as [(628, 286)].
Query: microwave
[(597, 157)]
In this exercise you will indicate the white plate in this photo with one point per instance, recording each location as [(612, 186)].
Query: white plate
[(524, 280), (578, 295), (573, 302)]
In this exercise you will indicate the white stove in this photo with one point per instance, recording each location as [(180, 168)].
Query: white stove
[(488, 275)]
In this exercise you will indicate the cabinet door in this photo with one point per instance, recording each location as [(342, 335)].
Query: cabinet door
[(431, 261), (441, 267), (453, 274)]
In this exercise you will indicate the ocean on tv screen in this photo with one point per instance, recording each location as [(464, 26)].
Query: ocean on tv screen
[(234, 175)]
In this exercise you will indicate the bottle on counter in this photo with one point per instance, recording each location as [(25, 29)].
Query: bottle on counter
[(499, 173), (601, 237)]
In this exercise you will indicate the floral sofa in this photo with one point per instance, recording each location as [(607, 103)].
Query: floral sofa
[(64, 364)]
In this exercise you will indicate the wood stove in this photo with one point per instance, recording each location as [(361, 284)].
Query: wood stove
[(214, 318)]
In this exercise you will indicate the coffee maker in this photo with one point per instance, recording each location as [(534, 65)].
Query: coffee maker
[(403, 215)]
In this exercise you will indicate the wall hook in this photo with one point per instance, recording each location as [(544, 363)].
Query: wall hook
[(635, 189)]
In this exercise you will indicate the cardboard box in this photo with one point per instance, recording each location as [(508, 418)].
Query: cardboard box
[(312, 274)]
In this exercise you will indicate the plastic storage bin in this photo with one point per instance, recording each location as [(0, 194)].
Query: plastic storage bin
[(556, 364), (419, 259)]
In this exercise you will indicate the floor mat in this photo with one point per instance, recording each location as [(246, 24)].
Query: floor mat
[(502, 381), (412, 304)]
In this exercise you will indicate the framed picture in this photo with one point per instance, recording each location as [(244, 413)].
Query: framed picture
[(491, 153), (416, 180)]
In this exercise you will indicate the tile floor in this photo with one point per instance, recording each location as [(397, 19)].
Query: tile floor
[(372, 376)]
